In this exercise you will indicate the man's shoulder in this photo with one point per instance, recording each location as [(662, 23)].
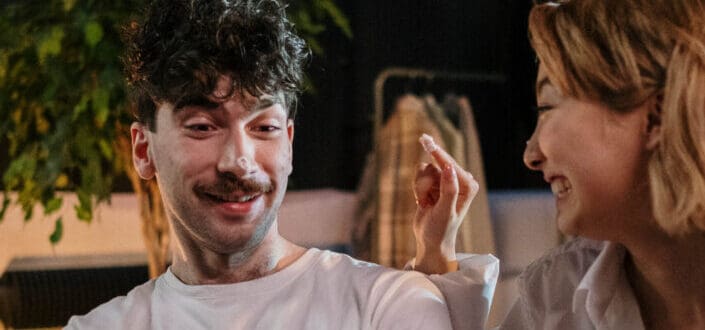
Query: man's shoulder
[(390, 298), (560, 270), (334, 261), (368, 275), (121, 312), (330, 262)]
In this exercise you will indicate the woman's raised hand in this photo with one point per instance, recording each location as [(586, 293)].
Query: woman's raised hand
[(444, 192)]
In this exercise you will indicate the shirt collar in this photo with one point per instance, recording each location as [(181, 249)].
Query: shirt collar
[(604, 293)]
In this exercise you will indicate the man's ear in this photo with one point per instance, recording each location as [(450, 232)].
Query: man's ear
[(290, 135), (141, 157), (290, 129), (653, 124)]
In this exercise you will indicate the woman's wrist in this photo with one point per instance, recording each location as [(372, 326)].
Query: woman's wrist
[(435, 261)]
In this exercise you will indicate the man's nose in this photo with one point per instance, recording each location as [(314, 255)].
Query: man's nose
[(533, 157), (237, 156)]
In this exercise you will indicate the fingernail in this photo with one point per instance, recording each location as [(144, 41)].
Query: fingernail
[(427, 142)]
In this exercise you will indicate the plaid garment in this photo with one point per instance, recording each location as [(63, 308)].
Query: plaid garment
[(475, 234), (399, 154)]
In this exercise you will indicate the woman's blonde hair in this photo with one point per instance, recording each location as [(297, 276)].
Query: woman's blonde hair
[(623, 53)]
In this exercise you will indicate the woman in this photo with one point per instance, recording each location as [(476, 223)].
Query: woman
[(621, 140)]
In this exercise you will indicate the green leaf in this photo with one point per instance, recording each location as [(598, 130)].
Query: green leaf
[(93, 33), (21, 168), (338, 17), (50, 44), (305, 23), (28, 196), (68, 5), (27, 213), (55, 237), (83, 214), (5, 204), (3, 65), (53, 205), (315, 46), (84, 210), (80, 107), (106, 149), (84, 199), (100, 99)]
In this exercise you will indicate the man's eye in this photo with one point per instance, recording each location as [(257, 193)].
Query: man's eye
[(266, 128), (200, 127)]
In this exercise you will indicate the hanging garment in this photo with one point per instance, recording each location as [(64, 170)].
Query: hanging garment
[(452, 137), (386, 207), (475, 234), (398, 155)]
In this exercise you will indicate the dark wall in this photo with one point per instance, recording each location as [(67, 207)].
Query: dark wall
[(334, 127)]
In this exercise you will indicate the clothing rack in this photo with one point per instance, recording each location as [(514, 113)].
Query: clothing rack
[(416, 73)]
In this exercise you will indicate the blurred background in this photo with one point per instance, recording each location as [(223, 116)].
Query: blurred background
[(471, 36)]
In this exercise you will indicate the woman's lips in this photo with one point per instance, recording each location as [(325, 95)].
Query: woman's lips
[(560, 187)]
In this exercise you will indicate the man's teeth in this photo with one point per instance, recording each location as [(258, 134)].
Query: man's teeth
[(239, 199), (560, 187), (245, 198)]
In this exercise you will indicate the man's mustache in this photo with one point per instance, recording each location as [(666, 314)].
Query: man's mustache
[(227, 184)]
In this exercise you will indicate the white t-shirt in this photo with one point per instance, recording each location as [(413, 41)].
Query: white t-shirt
[(580, 285), (321, 290)]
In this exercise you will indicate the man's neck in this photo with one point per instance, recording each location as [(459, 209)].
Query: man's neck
[(667, 274), (197, 266)]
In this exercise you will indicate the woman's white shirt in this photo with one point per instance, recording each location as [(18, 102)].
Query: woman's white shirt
[(581, 284)]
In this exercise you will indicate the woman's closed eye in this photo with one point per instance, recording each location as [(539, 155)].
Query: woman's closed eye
[(543, 108)]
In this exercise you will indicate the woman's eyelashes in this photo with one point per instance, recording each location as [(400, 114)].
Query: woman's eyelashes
[(542, 108)]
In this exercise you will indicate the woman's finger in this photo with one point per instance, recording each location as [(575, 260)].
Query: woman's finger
[(465, 179), (448, 198), (427, 185), (440, 155)]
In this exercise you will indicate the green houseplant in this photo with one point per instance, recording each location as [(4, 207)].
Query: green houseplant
[(64, 113)]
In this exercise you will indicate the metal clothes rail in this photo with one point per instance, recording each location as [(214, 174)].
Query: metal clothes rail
[(416, 73)]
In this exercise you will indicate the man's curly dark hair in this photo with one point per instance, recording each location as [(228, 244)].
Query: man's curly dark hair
[(182, 47)]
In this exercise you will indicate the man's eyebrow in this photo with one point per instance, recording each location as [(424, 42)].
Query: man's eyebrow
[(195, 101)]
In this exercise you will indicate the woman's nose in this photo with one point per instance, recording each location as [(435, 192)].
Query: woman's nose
[(533, 157)]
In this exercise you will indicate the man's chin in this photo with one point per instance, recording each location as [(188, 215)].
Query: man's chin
[(243, 234)]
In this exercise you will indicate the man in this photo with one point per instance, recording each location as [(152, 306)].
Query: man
[(215, 84)]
